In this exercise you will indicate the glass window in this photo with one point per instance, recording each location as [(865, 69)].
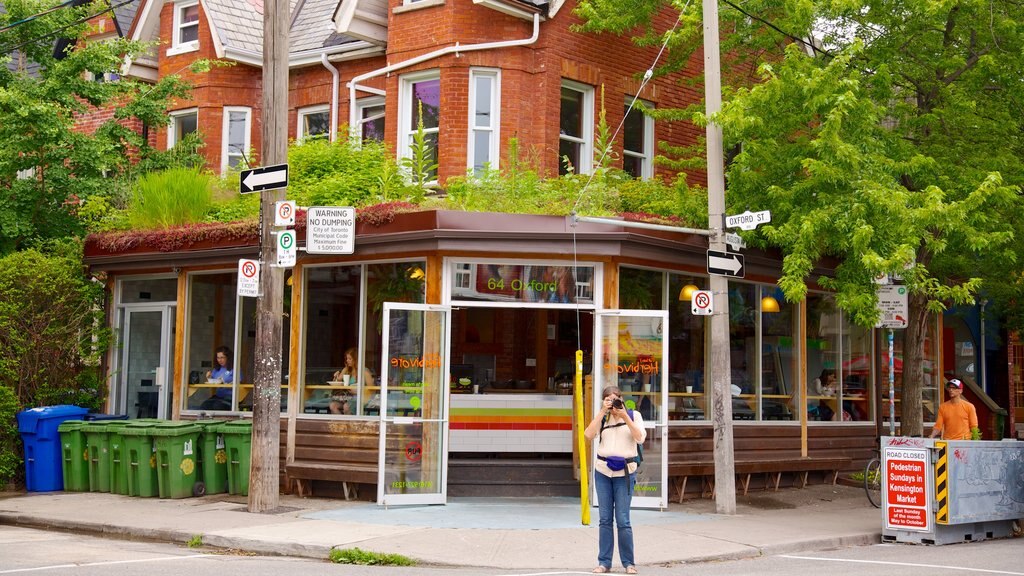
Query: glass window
[(838, 364), (530, 284), (186, 24), (485, 98), (210, 346), (236, 138), (313, 121), (687, 393), (640, 289), (148, 290), (183, 123), (371, 118), (778, 385), (743, 357), (638, 143), (576, 125), (420, 101)]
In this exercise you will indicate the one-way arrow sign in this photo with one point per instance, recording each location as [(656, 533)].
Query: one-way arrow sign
[(266, 178), (725, 264)]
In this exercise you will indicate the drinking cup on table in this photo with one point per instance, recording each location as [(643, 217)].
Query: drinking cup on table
[(345, 379), (689, 389)]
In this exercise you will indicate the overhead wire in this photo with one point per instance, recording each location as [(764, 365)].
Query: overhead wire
[(37, 15), (9, 49)]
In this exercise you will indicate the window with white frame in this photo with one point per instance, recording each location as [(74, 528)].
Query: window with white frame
[(484, 119), (638, 142), (313, 121), (186, 28), (419, 101), (183, 123), (370, 112), (576, 128), (236, 137)]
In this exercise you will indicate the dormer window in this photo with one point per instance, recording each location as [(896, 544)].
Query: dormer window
[(186, 28)]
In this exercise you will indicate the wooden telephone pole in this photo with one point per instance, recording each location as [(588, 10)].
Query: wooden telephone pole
[(266, 410)]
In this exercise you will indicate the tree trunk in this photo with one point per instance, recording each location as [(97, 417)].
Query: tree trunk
[(911, 416)]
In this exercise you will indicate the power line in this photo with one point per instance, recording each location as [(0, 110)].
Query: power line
[(34, 16), (779, 30), (9, 49)]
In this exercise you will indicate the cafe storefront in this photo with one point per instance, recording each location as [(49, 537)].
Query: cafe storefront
[(452, 336)]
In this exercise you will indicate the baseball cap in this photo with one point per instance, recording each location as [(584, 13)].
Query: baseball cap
[(954, 383)]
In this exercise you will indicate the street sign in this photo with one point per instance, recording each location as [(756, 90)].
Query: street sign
[(249, 278), (266, 178), (725, 264), (735, 241), (702, 303), (330, 230), (284, 213), (748, 220), (286, 248), (892, 303)]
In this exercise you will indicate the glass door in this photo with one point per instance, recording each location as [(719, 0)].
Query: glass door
[(414, 405), (633, 353), (147, 351)]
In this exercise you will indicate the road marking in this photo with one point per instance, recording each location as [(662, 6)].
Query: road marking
[(112, 562), (910, 564)]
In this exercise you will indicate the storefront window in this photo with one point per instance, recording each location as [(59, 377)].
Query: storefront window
[(210, 346), (686, 391), (529, 284), (838, 364), (332, 298), (778, 384), (148, 290), (640, 289), (743, 313)]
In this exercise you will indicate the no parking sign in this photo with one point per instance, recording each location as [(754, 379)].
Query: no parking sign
[(284, 213), (249, 278), (702, 303)]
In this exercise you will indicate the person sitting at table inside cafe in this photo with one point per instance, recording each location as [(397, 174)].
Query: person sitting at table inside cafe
[(223, 373), (956, 416), (340, 399)]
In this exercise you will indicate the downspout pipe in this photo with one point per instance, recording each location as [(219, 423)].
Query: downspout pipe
[(335, 82), (353, 84)]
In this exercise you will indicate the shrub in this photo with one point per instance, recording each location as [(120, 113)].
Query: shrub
[(323, 173), (365, 558), (170, 198), (10, 441)]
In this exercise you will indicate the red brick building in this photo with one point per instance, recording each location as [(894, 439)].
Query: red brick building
[(483, 71)]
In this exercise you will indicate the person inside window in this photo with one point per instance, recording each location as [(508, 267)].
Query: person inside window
[(341, 400), (223, 373)]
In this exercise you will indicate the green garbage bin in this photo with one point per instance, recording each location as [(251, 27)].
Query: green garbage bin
[(176, 446), (118, 457), (74, 456), (213, 469), (141, 458), (98, 446), (238, 442)]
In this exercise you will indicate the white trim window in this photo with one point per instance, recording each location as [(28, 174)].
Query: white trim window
[(576, 128), (484, 119), (185, 33), (638, 142), (313, 121), (236, 137), (183, 123), (370, 112), (420, 93)]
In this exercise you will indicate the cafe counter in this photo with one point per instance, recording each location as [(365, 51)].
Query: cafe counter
[(515, 421)]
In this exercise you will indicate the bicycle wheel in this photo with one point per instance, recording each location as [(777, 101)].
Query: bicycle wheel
[(873, 482)]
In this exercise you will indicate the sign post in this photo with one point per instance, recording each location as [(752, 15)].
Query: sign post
[(893, 306)]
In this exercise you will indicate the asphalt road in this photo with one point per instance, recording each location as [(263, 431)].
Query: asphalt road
[(30, 551)]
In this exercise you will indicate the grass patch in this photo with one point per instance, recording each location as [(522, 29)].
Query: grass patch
[(365, 558), (196, 541)]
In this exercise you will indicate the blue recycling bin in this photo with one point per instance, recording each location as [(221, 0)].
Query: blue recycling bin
[(39, 434)]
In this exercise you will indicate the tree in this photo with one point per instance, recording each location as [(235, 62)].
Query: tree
[(896, 148), (48, 168)]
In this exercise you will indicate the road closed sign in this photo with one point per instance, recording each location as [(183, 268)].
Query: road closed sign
[(330, 230), (249, 278), (906, 487)]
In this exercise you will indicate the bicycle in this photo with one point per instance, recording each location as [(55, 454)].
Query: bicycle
[(873, 480)]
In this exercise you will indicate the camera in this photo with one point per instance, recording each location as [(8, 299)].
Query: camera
[(617, 404)]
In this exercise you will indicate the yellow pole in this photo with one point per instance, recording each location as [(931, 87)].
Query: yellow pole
[(581, 441)]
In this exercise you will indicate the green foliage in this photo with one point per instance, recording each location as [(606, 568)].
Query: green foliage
[(367, 558), (61, 168), (975, 433), (196, 541), (341, 173), (10, 440), (52, 333), (170, 198), (421, 164)]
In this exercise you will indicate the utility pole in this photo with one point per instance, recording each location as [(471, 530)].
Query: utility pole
[(266, 410), (721, 392)]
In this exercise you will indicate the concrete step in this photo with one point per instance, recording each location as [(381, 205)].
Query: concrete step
[(511, 477)]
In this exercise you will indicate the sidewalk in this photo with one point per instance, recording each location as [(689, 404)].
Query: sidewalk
[(497, 533)]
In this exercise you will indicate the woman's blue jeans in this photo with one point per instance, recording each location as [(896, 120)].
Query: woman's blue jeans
[(613, 499)]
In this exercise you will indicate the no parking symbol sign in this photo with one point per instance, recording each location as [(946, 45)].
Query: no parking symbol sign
[(249, 278), (702, 303)]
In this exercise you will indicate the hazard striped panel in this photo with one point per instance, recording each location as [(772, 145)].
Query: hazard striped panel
[(941, 485)]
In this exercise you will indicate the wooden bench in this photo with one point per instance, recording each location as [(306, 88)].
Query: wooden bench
[(349, 474), (680, 472)]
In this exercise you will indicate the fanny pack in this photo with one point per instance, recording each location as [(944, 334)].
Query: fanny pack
[(616, 463)]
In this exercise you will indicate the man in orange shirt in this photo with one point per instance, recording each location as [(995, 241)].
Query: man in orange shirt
[(956, 416)]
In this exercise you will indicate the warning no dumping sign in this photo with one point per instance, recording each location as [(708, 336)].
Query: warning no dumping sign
[(330, 230)]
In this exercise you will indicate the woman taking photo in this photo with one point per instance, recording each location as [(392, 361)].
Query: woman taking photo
[(618, 431)]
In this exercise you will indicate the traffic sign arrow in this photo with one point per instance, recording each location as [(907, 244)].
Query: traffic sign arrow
[(725, 264), (266, 178)]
